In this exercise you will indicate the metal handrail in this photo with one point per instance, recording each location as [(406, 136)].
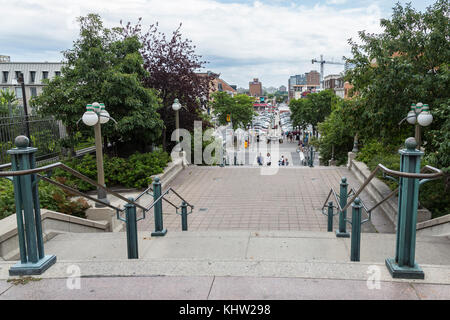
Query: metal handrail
[(421, 175), (396, 174), (77, 174)]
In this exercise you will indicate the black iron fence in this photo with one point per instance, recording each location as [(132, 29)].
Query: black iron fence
[(44, 133)]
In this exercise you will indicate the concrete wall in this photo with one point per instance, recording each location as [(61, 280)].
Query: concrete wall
[(53, 223), (435, 227)]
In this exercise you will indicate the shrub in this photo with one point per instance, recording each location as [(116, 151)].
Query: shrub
[(51, 197), (133, 172)]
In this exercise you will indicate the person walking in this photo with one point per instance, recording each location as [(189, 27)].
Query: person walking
[(260, 159), (268, 160), (287, 162)]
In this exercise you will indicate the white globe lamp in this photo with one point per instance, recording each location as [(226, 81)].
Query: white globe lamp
[(90, 118), (425, 117), (412, 115), (176, 105), (104, 115)]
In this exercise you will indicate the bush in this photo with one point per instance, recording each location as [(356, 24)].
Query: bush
[(51, 197), (133, 172)]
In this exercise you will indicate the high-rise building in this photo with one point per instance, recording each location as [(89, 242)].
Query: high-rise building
[(255, 88)]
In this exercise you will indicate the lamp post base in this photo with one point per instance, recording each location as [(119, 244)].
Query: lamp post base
[(30, 269), (342, 234), (99, 205), (159, 233), (404, 272)]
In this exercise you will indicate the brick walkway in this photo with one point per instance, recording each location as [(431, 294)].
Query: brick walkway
[(240, 198)]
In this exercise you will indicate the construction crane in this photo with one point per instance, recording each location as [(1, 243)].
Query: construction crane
[(322, 62)]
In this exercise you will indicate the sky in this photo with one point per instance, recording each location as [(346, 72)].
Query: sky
[(241, 40)]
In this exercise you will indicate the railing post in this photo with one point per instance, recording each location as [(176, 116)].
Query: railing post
[(184, 223), (404, 265), (356, 230), (343, 194), (33, 261), (132, 237), (159, 228), (330, 216)]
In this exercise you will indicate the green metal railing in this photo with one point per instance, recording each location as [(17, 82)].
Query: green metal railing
[(26, 176), (409, 179)]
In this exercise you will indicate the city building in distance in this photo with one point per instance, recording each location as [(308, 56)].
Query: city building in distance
[(255, 88), (34, 74)]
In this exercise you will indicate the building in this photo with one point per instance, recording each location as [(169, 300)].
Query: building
[(301, 90), (34, 74), (334, 82), (282, 89), (255, 88), (313, 78), (217, 84), (299, 79)]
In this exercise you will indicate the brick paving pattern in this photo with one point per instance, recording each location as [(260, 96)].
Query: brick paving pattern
[(240, 198)]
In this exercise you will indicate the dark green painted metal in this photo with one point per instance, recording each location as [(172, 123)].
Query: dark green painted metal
[(33, 260), (404, 265), (132, 234), (184, 223), (37, 208), (19, 215), (330, 216), (159, 227), (356, 230), (343, 195)]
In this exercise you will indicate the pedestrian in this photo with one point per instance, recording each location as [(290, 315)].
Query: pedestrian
[(287, 162), (268, 159), (260, 159)]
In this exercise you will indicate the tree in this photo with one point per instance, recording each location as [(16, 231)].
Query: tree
[(312, 109), (101, 67), (171, 65), (405, 64), (240, 108)]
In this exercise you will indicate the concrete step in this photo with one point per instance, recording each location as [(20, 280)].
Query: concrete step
[(239, 253)]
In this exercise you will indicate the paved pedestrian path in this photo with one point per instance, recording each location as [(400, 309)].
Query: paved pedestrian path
[(242, 198)]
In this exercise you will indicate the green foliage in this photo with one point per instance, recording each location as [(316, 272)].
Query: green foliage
[(337, 131), (102, 68), (240, 107), (406, 63), (312, 109), (133, 172), (8, 103), (51, 197)]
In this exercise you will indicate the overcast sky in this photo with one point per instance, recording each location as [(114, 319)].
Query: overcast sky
[(242, 40)]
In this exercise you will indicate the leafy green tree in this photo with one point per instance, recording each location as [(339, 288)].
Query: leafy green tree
[(407, 63), (101, 67), (240, 107), (312, 109)]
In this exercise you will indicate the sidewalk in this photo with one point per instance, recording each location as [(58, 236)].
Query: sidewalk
[(218, 288)]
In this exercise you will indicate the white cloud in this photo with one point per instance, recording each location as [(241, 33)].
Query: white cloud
[(257, 39)]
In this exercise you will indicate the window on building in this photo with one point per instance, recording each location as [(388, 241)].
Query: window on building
[(5, 77), (18, 91), (33, 91), (220, 87), (57, 73), (32, 76), (44, 75), (17, 75)]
